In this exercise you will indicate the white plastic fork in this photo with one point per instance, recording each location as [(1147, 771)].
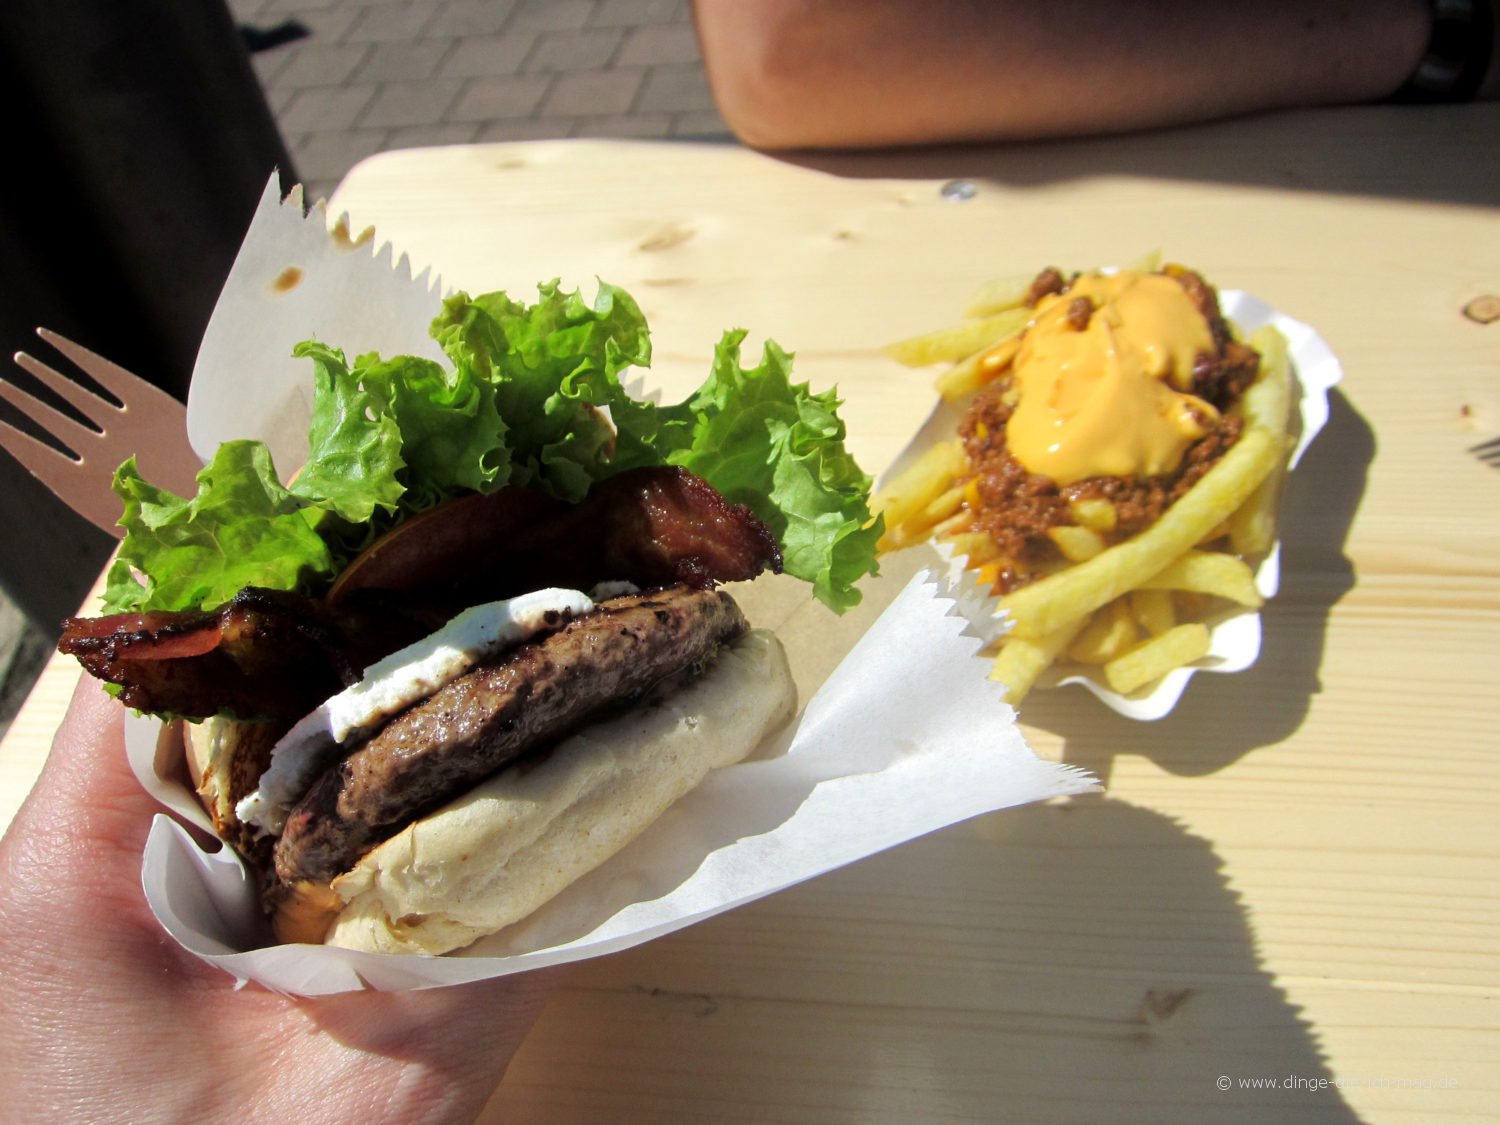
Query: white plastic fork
[(147, 423)]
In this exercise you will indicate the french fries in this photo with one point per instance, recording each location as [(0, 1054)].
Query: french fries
[(1149, 661), (906, 502), (998, 295), (1267, 405), (1208, 572), (1020, 661), (1155, 610), (1132, 609), (959, 342), (1107, 636), (1051, 602)]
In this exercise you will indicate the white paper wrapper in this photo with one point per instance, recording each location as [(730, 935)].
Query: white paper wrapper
[(868, 763), (290, 282), (1234, 642)]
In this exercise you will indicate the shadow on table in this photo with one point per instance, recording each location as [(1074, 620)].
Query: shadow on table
[(1082, 962), (1359, 150), (1071, 962), (1268, 701)]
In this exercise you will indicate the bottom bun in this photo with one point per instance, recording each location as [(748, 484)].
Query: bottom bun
[(493, 856), (225, 758)]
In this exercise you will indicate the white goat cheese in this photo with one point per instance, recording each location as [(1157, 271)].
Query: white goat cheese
[(391, 685)]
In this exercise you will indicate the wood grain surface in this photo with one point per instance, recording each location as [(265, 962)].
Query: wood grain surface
[(1290, 885)]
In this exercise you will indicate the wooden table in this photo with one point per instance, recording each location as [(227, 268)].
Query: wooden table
[(1284, 906)]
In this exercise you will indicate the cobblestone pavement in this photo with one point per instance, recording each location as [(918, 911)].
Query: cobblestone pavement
[(371, 75)]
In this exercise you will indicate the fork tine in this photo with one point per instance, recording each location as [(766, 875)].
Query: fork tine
[(74, 435), (124, 385), (150, 424), (145, 423), (59, 472), (71, 390)]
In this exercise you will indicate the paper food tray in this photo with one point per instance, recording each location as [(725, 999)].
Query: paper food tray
[(1235, 634)]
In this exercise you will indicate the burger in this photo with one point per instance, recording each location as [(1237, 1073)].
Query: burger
[(479, 641)]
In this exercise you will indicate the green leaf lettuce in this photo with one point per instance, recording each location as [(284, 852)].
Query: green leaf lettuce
[(534, 398)]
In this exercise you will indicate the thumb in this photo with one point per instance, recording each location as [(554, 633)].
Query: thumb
[(87, 811)]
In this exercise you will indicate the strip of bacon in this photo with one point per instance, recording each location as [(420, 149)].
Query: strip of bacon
[(653, 527), (266, 654), (428, 549), (278, 655)]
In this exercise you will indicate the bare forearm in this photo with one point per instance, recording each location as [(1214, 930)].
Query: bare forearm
[(820, 73)]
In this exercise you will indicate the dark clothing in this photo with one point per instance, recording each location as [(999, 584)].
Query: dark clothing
[(139, 142)]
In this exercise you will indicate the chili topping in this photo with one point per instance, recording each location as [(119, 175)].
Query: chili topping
[(1120, 391)]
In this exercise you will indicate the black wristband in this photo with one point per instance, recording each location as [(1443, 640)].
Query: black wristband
[(1457, 56)]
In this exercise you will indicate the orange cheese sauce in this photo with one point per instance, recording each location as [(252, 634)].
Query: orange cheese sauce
[(1110, 399)]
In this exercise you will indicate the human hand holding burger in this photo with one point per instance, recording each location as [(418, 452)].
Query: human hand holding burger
[(104, 1018)]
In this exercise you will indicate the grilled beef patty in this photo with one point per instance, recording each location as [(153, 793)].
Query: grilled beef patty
[(528, 699)]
